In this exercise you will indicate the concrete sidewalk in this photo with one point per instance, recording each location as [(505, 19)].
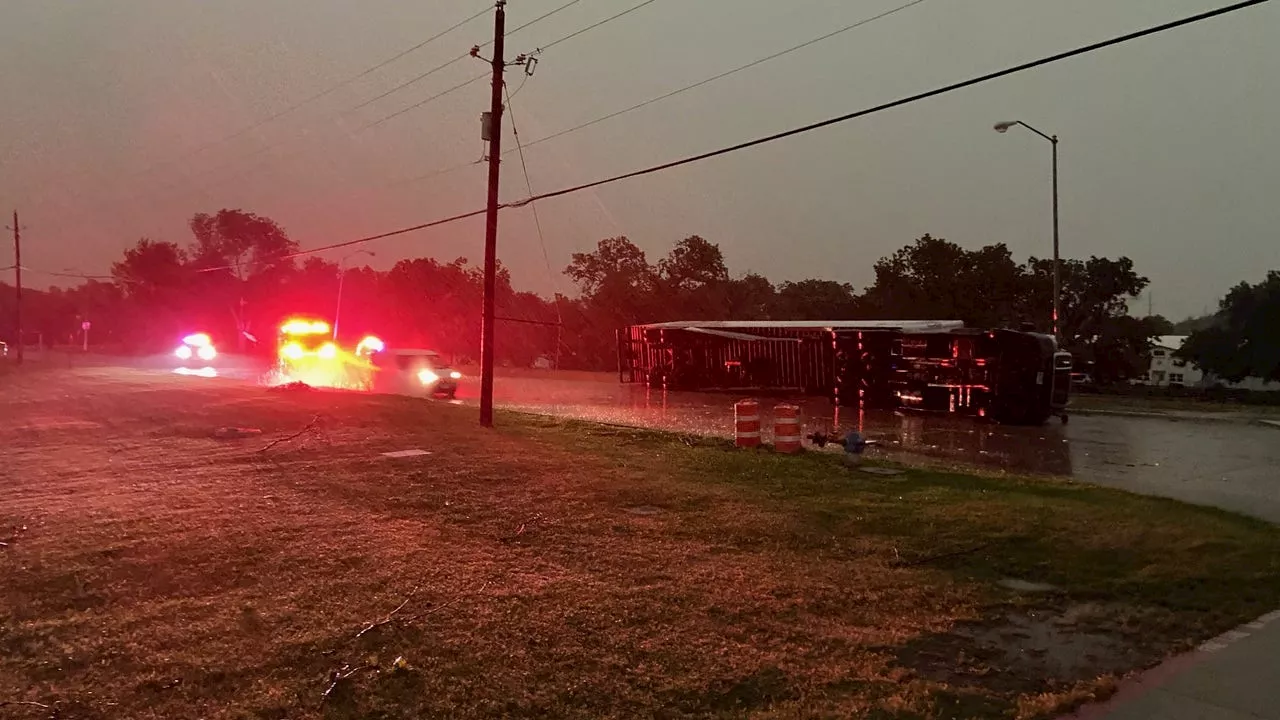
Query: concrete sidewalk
[(1235, 676)]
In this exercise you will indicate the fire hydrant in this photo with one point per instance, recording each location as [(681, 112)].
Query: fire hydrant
[(853, 443)]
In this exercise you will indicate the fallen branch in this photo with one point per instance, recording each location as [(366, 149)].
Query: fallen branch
[(443, 605), (28, 703), (310, 426), (521, 530), (944, 556), (390, 616), (338, 676)]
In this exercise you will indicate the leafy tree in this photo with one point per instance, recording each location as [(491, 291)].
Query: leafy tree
[(151, 270), (248, 258), (616, 266), (815, 300), (1191, 324), (692, 264), (935, 279), (750, 297), (694, 282), (1161, 325), (1245, 339), (156, 281)]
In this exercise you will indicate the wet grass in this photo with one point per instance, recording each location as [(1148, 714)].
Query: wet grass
[(1151, 404), (558, 569)]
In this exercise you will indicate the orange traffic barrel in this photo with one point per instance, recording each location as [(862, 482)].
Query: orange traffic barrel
[(746, 416), (786, 429)]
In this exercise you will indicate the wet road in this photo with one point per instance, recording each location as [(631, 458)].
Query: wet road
[(1234, 466)]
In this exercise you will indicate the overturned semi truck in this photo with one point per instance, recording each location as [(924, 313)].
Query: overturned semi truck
[(1010, 376)]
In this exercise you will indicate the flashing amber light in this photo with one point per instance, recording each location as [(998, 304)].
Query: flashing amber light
[(305, 327), (455, 375), (328, 351), (198, 340), (370, 344), (292, 351)]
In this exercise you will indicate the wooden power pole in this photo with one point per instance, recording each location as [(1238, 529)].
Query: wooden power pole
[(494, 131), (17, 275)]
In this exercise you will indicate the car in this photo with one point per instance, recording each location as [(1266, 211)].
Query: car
[(414, 371), (1081, 380), (196, 351)]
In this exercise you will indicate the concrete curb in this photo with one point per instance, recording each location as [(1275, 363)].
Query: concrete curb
[(1163, 674)]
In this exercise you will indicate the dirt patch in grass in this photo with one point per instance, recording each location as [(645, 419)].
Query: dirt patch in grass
[(557, 569)]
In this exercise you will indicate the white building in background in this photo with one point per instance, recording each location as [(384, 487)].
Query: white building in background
[(1167, 370)]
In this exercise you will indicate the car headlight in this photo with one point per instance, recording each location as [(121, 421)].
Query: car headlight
[(292, 351), (328, 351), (455, 375), (206, 352), (426, 377), (183, 352)]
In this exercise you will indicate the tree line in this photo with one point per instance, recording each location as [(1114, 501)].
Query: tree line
[(237, 277)]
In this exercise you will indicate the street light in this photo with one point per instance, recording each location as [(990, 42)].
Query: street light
[(342, 275), (1003, 127)]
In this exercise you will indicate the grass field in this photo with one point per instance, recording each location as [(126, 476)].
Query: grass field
[(556, 569), (1147, 404)]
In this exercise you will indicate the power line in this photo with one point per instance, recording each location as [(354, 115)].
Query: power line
[(65, 274), (479, 77), (459, 58), (540, 18), (415, 79), (1082, 50), (899, 102), (313, 98), (686, 88), (362, 240), (589, 28), (272, 146), (537, 222), (417, 105)]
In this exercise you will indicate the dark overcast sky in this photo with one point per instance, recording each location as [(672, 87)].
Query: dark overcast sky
[(1169, 152)]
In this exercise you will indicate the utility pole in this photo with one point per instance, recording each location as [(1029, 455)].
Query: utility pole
[(17, 275), (494, 128)]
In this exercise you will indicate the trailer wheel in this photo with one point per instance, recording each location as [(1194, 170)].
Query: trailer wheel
[(1065, 418)]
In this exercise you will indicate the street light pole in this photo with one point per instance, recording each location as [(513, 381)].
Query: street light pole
[(1057, 280), (1002, 127), (342, 276)]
